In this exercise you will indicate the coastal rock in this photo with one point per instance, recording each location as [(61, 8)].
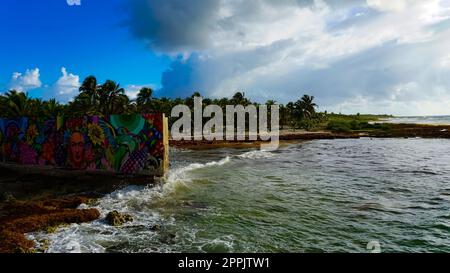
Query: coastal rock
[(21, 217), (6, 197), (115, 218), (155, 227), (168, 238)]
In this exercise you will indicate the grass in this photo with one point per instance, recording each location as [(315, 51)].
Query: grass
[(354, 126), (353, 123), (357, 117)]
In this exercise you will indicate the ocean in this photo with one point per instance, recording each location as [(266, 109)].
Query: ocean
[(434, 120), (314, 196)]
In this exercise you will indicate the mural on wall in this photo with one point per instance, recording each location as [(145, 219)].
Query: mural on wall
[(117, 143)]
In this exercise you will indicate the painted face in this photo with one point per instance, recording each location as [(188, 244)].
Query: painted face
[(77, 148)]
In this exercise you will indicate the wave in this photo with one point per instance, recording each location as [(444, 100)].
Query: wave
[(179, 177), (139, 201), (257, 154), (181, 172)]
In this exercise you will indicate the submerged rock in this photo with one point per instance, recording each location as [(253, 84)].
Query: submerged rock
[(155, 227), (168, 238), (115, 218)]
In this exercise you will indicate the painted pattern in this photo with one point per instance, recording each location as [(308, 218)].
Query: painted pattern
[(118, 143)]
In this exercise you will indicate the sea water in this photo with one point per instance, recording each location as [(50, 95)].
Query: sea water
[(315, 196)]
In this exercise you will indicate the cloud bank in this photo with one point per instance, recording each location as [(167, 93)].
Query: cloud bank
[(365, 56), (66, 87), (24, 82)]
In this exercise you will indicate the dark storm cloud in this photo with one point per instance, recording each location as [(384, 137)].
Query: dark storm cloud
[(340, 51), (175, 25), (172, 26)]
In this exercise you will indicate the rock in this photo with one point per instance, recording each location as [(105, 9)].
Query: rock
[(155, 227), (6, 197), (42, 246), (115, 218), (168, 238), (38, 215)]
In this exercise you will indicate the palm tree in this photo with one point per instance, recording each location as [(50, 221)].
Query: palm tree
[(111, 97), (305, 107), (189, 101), (308, 106), (223, 102), (16, 104), (283, 116), (52, 108), (290, 113), (145, 101), (123, 105), (90, 89), (269, 104), (87, 101), (240, 99), (144, 96), (82, 105)]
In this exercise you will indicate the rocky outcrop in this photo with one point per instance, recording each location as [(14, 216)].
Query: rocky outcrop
[(155, 227), (115, 218), (20, 217)]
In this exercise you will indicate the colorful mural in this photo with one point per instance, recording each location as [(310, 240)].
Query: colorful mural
[(118, 143)]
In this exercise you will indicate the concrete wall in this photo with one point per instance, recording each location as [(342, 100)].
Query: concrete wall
[(126, 144)]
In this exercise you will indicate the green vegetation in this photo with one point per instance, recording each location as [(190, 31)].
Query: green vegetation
[(349, 123), (109, 98), (354, 125)]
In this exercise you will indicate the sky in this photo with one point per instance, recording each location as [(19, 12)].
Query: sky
[(366, 56)]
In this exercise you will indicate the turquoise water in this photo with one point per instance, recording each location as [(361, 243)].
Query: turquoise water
[(316, 196)]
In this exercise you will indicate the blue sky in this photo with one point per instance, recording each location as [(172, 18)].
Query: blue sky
[(368, 56), (87, 39)]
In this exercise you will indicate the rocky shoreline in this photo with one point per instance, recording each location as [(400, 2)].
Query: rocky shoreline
[(39, 199), (20, 217), (43, 204), (390, 131)]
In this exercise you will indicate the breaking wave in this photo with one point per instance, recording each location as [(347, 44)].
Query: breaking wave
[(257, 154), (144, 204)]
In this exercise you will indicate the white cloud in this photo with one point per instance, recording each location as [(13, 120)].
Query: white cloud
[(67, 84), (404, 91), (389, 5), (444, 62), (133, 90), (24, 82), (422, 107), (281, 49)]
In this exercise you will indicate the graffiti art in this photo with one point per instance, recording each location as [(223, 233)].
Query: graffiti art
[(118, 143)]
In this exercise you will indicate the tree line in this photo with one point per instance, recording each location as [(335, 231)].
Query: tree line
[(110, 98)]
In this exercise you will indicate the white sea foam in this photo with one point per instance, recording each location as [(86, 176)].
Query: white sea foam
[(140, 202), (179, 177), (223, 243), (257, 154)]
